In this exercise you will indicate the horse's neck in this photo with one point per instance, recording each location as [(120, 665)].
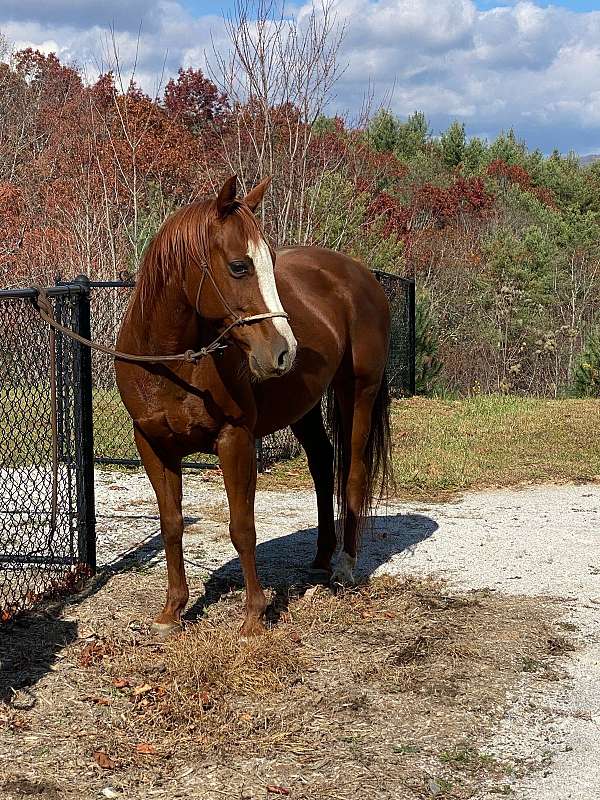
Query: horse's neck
[(167, 325)]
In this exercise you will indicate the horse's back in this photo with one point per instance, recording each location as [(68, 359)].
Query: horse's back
[(328, 281)]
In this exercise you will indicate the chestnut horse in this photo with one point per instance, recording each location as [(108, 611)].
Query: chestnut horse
[(208, 275)]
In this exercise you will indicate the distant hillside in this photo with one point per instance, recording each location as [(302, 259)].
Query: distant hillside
[(589, 159)]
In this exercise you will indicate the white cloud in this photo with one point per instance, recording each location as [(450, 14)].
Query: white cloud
[(523, 65)]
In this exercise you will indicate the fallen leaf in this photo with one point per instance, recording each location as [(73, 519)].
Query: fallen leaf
[(104, 760), (295, 637), (121, 683), (91, 654), (146, 749), (98, 701), (143, 689), (278, 790)]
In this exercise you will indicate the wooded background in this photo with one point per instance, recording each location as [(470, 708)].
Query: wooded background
[(504, 242)]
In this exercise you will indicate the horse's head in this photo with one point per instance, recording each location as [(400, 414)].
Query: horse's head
[(241, 282)]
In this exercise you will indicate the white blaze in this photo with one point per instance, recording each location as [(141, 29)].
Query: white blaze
[(263, 264)]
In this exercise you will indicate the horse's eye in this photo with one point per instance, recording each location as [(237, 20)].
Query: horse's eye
[(239, 268)]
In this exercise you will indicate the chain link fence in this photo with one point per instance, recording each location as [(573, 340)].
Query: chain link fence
[(46, 511), (113, 431), (48, 447), (113, 436)]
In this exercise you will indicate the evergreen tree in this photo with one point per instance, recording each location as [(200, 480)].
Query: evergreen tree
[(453, 142), (383, 131), (412, 136), (474, 155), (508, 148), (586, 376), (324, 124)]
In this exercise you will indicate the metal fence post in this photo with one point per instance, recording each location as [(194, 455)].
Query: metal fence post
[(60, 379), (84, 432), (412, 338)]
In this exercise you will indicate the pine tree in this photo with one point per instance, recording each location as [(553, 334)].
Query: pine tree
[(586, 376), (453, 142), (383, 131), (412, 136)]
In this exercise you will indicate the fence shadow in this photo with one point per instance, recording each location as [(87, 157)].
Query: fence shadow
[(28, 649), (283, 563)]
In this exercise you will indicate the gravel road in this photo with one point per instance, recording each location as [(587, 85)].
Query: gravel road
[(542, 540)]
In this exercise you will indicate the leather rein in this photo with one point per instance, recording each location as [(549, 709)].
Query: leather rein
[(43, 305)]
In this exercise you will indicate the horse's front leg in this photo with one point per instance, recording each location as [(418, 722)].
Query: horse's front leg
[(165, 477), (237, 454)]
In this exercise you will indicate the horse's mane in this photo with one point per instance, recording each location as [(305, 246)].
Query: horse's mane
[(183, 240)]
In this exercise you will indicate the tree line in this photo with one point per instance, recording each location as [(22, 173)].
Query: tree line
[(504, 242)]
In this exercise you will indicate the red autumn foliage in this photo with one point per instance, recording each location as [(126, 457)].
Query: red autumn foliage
[(82, 167), (194, 99), (512, 173)]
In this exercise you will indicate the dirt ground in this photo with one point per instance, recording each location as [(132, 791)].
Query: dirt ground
[(481, 686)]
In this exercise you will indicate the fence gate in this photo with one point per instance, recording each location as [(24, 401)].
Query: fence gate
[(47, 535)]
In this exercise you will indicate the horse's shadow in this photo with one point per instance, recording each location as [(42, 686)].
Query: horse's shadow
[(283, 563), (30, 647)]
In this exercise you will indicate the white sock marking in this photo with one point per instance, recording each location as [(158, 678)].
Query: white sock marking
[(344, 569)]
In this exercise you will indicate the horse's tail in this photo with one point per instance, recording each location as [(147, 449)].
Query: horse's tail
[(377, 458)]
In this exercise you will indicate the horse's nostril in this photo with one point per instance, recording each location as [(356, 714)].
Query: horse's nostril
[(281, 359)]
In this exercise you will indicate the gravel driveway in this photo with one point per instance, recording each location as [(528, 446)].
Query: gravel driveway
[(542, 540)]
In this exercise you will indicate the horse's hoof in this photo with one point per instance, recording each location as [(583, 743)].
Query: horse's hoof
[(163, 630), (250, 629), (343, 574)]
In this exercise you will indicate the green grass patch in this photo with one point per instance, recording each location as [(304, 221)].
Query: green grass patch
[(444, 447)]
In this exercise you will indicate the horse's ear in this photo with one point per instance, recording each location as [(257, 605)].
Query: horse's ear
[(254, 197), (227, 195)]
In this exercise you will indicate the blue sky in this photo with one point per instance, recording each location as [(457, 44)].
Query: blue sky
[(573, 5), (530, 65)]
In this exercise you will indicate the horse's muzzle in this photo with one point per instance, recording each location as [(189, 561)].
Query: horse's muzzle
[(271, 362)]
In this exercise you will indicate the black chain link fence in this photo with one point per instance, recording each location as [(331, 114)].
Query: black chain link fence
[(113, 436), (113, 432), (46, 520)]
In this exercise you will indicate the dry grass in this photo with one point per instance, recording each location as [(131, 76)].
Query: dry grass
[(442, 448), (389, 690)]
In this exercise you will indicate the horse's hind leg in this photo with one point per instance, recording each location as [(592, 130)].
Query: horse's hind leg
[(165, 476), (237, 455), (310, 432), (356, 410)]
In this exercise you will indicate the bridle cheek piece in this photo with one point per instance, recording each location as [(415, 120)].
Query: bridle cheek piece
[(238, 322)]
